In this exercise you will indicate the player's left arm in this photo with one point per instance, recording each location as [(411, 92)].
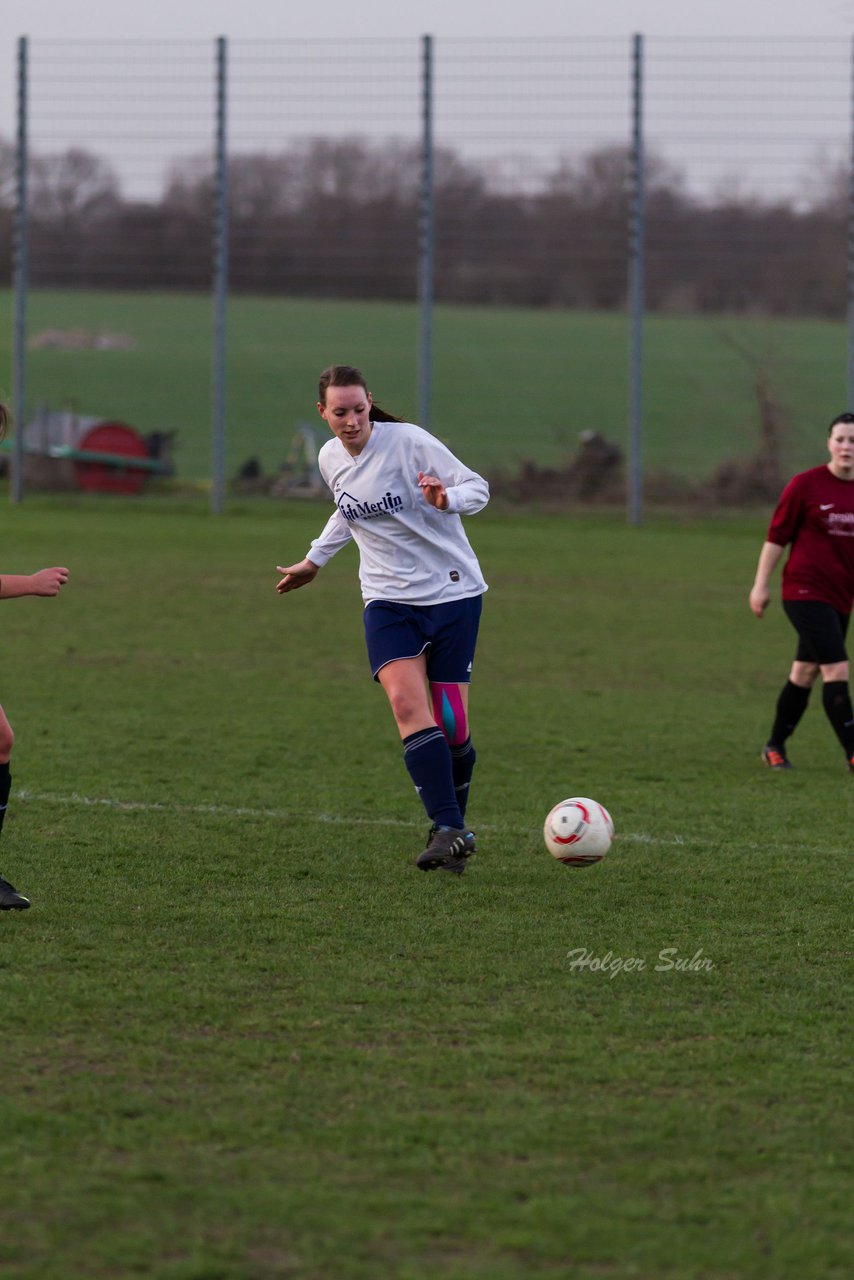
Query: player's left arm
[(449, 485), (435, 493)]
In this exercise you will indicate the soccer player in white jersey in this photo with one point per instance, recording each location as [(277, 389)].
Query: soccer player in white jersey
[(399, 494), (46, 582)]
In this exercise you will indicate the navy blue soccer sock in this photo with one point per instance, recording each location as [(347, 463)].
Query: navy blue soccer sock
[(463, 760), (427, 757), (5, 788)]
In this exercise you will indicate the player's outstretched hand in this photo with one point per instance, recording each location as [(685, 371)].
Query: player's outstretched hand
[(296, 575), (48, 581), (433, 490)]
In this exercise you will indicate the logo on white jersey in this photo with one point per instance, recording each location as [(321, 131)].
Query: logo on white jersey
[(352, 509)]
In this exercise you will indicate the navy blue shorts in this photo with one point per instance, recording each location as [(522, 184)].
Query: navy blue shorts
[(448, 632), (821, 631)]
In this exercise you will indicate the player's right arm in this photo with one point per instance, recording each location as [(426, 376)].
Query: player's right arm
[(335, 535), (46, 582), (769, 557), (296, 575), (782, 530)]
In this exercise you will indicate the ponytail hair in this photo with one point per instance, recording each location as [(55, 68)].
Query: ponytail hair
[(379, 414), (346, 375), (5, 419)]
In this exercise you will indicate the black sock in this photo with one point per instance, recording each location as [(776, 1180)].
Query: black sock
[(463, 760), (836, 697), (5, 788), (791, 705)]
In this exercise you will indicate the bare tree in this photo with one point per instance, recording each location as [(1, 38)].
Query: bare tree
[(71, 188), (338, 217)]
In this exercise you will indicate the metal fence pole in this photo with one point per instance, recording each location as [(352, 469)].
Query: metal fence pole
[(20, 279), (220, 282), (426, 240), (851, 243), (637, 236)]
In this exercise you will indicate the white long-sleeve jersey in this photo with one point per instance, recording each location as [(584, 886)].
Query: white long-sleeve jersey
[(408, 550)]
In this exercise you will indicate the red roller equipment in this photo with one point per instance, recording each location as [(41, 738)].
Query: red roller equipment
[(112, 458)]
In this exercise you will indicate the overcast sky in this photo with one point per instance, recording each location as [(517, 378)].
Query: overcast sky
[(257, 18), (262, 19)]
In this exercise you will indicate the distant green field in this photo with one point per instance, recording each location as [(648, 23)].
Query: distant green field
[(245, 1039), (509, 384)]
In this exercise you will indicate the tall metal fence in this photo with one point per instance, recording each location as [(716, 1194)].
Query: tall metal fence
[(523, 240)]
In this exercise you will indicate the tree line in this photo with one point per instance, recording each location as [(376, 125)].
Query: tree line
[(340, 218)]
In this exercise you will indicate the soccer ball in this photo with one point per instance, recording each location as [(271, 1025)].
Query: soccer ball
[(578, 832)]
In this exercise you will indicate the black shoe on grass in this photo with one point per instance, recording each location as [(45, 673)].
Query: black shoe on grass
[(775, 757), (447, 849), (10, 899)]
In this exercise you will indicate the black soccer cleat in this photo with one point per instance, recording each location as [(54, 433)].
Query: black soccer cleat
[(10, 899), (448, 848), (775, 757)]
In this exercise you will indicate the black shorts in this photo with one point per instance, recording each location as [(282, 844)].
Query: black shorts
[(821, 631)]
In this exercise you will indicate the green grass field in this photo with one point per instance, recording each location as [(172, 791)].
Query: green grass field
[(510, 384), (244, 1039)]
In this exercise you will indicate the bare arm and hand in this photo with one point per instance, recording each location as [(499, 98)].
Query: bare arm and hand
[(769, 557), (46, 582), (296, 576)]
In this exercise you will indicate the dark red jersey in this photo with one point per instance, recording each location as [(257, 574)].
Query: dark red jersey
[(815, 515)]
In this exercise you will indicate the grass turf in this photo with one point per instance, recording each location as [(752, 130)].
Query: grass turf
[(245, 1039), (509, 384)]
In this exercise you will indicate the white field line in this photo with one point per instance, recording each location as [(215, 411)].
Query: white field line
[(344, 820), (217, 810), (283, 815)]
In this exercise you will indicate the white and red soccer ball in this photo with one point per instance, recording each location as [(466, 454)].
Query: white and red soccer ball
[(578, 832)]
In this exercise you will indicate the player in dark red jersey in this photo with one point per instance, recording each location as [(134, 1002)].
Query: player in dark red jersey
[(815, 519)]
